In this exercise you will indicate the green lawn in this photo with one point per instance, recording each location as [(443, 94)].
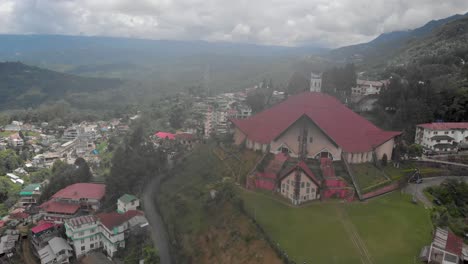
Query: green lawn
[(392, 228), (367, 175), (6, 133)]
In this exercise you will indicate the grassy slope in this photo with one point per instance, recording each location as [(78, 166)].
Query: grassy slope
[(391, 226), (367, 175), (207, 232)]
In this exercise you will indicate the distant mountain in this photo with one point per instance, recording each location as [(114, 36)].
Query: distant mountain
[(166, 64), (388, 44), (23, 86)]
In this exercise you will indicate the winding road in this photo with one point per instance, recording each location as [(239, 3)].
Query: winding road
[(158, 229), (417, 189)]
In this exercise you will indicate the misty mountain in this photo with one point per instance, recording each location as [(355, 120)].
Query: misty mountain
[(388, 44)]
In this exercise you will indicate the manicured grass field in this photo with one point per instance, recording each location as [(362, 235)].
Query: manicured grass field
[(392, 228)]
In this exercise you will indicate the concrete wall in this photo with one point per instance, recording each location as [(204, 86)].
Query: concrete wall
[(385, 148), (320, 142)]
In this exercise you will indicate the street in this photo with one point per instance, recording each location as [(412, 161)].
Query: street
[(417, 189), (158, 230)]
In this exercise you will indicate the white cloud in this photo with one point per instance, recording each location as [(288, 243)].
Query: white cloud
[(280, 22)]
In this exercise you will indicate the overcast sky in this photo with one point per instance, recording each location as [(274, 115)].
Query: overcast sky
[(329, 23)]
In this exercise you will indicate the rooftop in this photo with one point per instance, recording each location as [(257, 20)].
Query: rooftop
[(114, 219), (128, 198), (350, 131), (448, 241), (60, 208), (165, 135), (30, 188), (82, 190), (81, 220), (42, 227), (445, 126)]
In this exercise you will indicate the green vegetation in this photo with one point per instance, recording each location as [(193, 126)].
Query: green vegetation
[(367, 175), (392, 228), (453, 196), (6, 133), (206, 230), (9, 194), (66, 174), (9, 161)]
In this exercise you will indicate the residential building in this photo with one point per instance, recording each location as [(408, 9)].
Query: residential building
[(8, 241), (30, 194), (105, 230), (15, 140), (56, 251), (365, 87), (446, 248), (330, 128), (70, 133), (69, 201), (441, 137), (315, 82), (42, 233), (127, 202)]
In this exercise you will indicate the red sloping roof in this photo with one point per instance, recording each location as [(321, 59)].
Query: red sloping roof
[(445, 126), (164, 135), (454, 244), (305, 169), (349, 130), (61, 208), (42, 227), (82, 190), (114, 219)]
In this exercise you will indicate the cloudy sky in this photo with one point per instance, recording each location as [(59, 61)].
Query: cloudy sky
[(329, 23)]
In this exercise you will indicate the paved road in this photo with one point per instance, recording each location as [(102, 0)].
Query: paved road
[(417, 189), (158, 229), (443, 162)]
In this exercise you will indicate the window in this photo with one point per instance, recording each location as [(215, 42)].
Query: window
[(83, 248), (298, 138), (288, 181), (282, 185), (308, 190), (91, 246), (92, 230), (282, 190), (446, 132), (81, 233), (91, 238), (310, 140), (82, 241), (312, 190), (302, 184), (308, 184), (435, 132)]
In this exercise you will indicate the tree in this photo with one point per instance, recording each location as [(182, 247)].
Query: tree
[(415, 150), (384, 160), (298, 83)]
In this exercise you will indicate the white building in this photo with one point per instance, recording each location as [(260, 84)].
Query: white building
[(56, 251), (70, 134), (315, 82), (127, 202), (106, 231), (365, 87), (441, 136)]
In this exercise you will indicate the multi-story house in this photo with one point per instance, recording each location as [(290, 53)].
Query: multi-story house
[(75, 198), (127, 202), (441, 137), (365, 87), (106, 231), (71, 133), (56, 251), (29, 195)]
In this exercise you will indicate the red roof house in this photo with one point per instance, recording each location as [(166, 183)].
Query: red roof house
[(115, 219), (79, 191), (165, 135), (332, 127)]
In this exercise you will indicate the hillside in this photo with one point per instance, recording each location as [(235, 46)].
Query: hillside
[(23, 86), (388, 45)]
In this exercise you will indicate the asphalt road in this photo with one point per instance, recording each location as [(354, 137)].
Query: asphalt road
[(417, 189), (158, 229)]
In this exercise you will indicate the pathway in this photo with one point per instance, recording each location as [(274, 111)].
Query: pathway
[(417, 189), (27, 257), (158, 229)]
